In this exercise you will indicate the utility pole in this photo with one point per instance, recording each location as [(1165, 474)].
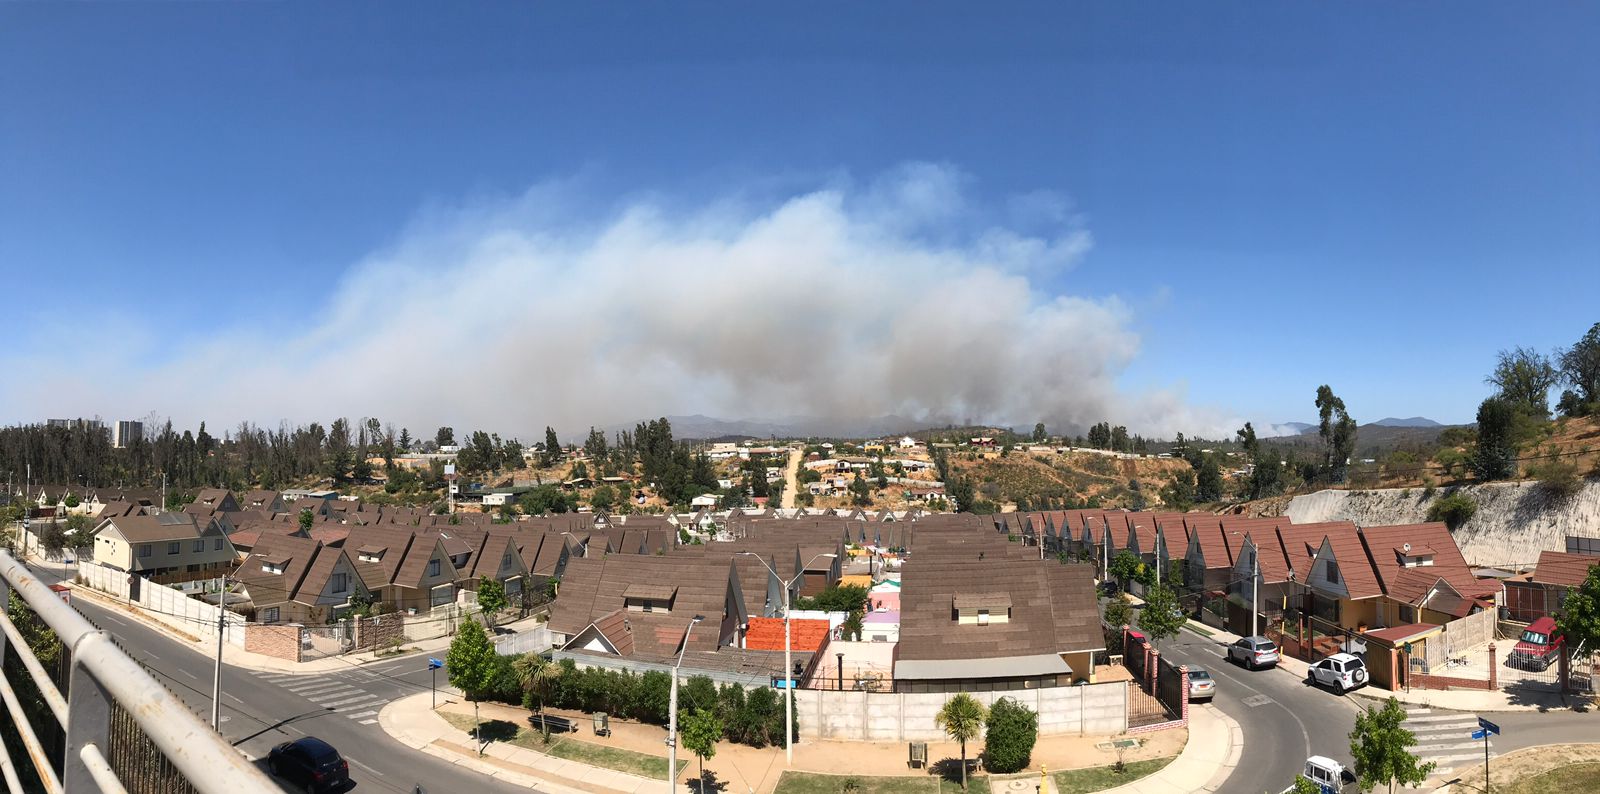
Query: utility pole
[(672, 711), (216, 679), (1255, 591)]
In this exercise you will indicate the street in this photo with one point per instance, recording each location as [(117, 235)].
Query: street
[(1284, 719), (260, 710)]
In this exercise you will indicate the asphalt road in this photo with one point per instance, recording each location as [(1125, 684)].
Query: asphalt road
[(260, 710), (1284, 720)]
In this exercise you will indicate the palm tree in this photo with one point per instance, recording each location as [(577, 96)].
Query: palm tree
[(535, 673), (962, 719)]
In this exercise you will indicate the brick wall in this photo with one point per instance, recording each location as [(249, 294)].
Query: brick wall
[(377, 632), (1429, 681), (282, 642)]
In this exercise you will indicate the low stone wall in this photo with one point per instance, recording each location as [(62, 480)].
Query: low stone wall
[(899, 716), (381, 631), (280, 642)]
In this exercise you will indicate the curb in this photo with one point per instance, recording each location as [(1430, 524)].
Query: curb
[(1235, 751)]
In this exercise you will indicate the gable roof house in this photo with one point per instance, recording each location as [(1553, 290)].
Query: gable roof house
[(298, 580), (1209, 558), (603, 601), (426, 577), (262, 499), (377, 552), (166, 544), (1424, 576), (1344, 589), (1004, 623), (220, 499), (1557, 574), (501, 560)]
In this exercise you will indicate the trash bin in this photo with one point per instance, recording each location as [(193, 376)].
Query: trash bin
[(602, 724)]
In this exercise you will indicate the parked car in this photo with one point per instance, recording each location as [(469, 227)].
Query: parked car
[(1201, 685), (1341, 672), (311, 763), (1328, 775), (1539, 647), (1254, 652), (552, 723)]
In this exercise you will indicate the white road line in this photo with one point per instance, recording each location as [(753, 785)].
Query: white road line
[(369, 722), (361, 714), (364, 698), (323, 687), (151, 655), (187, 673), (116, 620), (229, 695), (322, 698)]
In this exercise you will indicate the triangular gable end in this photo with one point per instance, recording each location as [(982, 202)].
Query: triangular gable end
[(1322, 566)]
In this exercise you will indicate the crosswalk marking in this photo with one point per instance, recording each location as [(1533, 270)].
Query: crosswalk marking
[(1445, 739), (360, 714), (368, 722), (361, 698), (317, 690)]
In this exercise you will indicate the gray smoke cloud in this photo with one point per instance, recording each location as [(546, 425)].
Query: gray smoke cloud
[(895, 296)]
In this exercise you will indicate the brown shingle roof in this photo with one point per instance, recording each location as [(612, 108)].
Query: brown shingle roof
[(1053, 609), (1386, 545), (1561, 568)]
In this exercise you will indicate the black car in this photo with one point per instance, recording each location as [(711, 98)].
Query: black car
[(310, 763)]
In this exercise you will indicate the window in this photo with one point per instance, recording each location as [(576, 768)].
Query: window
[(269, 615), (505, 560), (200, 545), (216, 545), (433, 567), (173, 547), (340, 582), (1333, 571), (144, 549), (983, 617)]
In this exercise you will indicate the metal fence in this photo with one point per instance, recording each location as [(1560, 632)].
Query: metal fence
[(113, 717)]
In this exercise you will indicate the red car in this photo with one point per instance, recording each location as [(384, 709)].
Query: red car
[(1539, 647)]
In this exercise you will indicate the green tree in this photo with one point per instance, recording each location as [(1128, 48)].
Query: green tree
[(860, 492), (543, 500), (1161, 617), (1011, 731), (1118, 613), (962, 719), (1579, 616), (1178, 493), (1381, 747), (1495, 457), (1524, 377), (1039, 434), (552, 447), (699, 731), (52, 537), (1247, 440), (1338, 433), (1580, 369), (445, 437), (1208, 480), (1303, 785), (491, 598), (306, 519), (470, 664), (603, 498), (537, 675), (1124, 566)]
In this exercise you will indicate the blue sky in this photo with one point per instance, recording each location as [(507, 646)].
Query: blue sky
[(1278, 194)]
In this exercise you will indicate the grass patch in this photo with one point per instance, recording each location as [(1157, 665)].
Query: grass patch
[(1100, 778), (1570, 778), (813, 783), (1199, 628), (570, 749)]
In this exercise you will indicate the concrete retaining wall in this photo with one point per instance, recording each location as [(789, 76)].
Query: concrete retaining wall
[(895, 717)]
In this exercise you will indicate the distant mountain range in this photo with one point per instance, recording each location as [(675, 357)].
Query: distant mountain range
[(698, 426), (1415, 421)]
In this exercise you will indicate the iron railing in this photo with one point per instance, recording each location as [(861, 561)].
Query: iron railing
[(102, 681)]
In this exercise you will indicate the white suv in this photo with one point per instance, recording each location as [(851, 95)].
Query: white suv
[(1341, 671)]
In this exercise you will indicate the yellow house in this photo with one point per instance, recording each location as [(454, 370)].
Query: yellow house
[(162, 544)]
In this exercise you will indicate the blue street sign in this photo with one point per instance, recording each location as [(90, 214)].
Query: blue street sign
[(1486, 725), (434, 664), (1480, 734)]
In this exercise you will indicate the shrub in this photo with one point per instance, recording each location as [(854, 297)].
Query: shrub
[(1559, 478), (1008, 742), (1453, 509)]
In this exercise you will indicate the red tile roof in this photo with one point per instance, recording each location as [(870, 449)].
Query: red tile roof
[(1355, 569), (766, 634), (1387, 545)]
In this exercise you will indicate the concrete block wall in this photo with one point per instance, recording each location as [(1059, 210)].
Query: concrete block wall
[(893, 716)]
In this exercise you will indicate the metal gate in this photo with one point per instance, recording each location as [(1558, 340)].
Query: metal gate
[(1532, 673)]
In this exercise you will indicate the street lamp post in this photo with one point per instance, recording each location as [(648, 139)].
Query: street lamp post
[(672, 710), (788, 662)]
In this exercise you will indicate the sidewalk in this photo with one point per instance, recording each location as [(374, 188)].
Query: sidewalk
[(1215, 744), (1473, 700), (412, 723)]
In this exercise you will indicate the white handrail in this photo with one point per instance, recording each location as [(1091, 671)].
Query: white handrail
[(101, 675)]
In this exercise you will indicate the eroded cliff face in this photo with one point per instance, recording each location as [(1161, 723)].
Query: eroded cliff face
[(1514, 522)]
